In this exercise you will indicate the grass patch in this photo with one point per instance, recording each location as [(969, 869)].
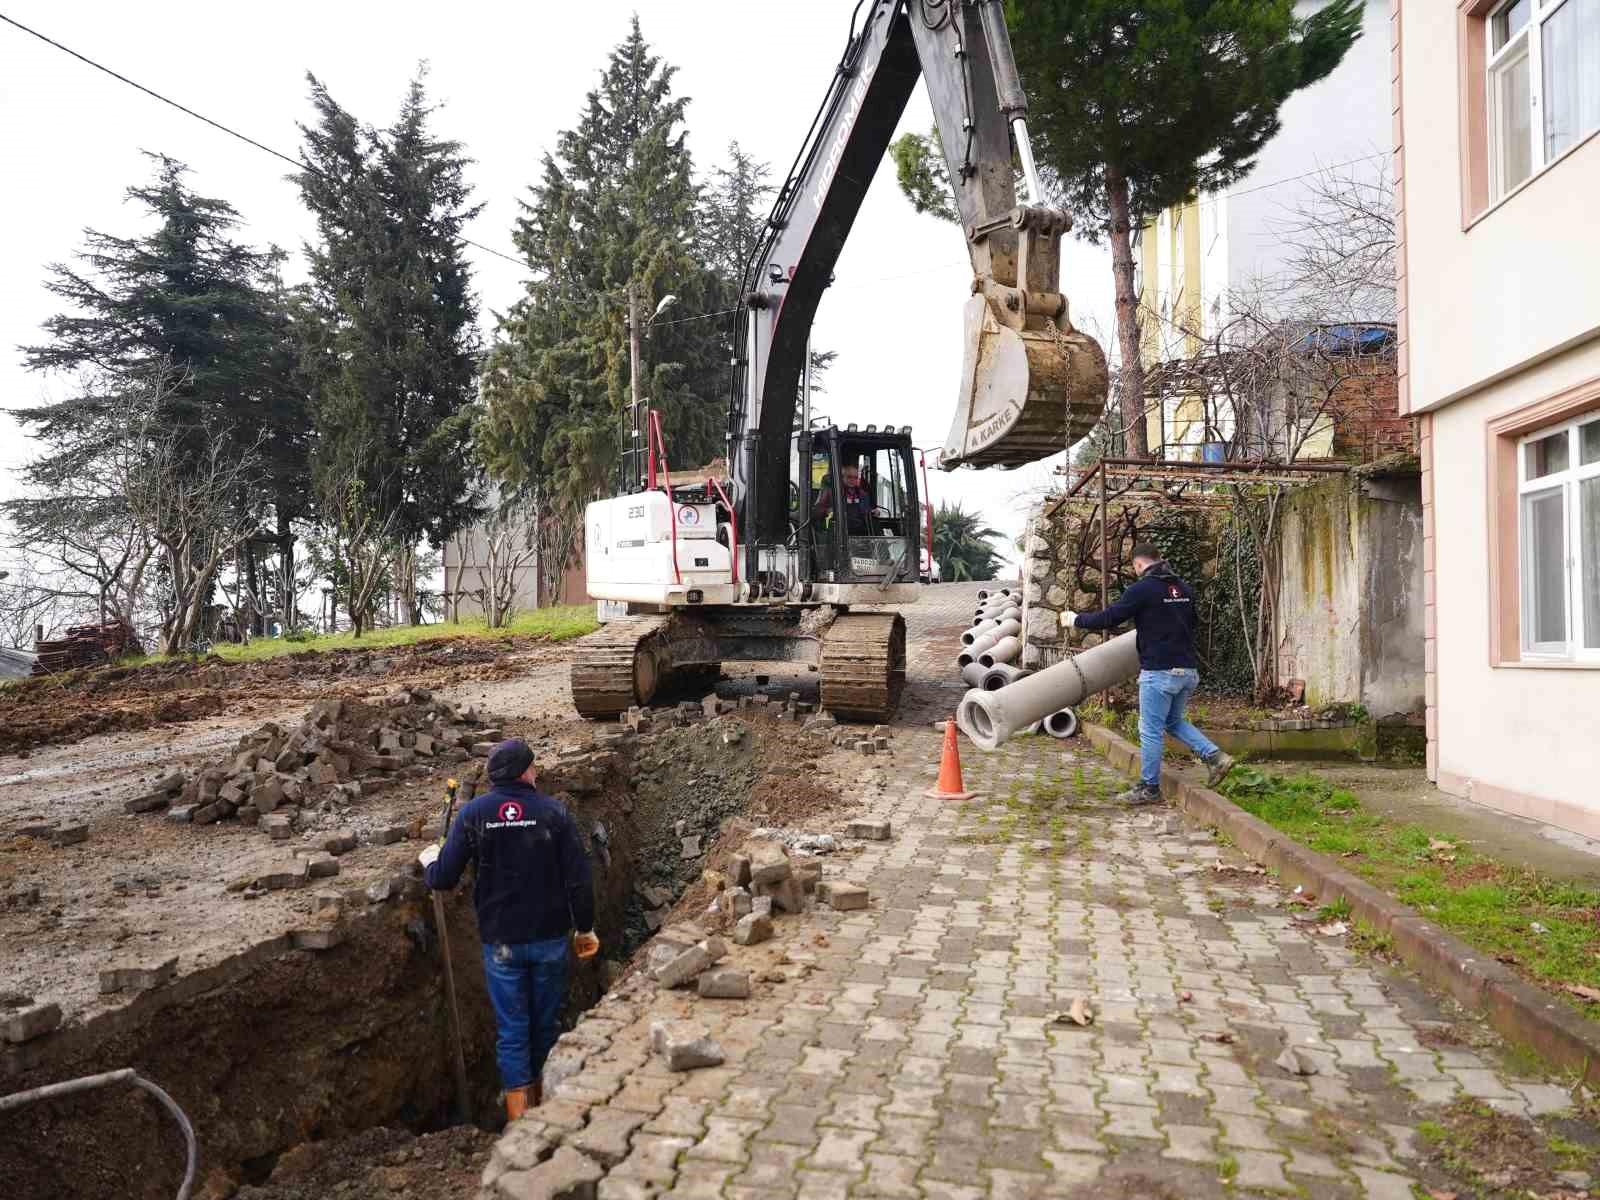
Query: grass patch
[(548, 624), (1547, 929), (1227, 1168)]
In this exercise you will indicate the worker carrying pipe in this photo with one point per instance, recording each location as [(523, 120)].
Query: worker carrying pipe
[(1162, 609), (532, 890)]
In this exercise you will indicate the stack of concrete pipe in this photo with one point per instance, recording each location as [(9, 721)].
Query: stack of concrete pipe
[(992, 648), (1048, 696)]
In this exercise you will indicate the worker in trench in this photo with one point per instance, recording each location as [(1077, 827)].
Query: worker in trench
[(1162, 609), (532, 890)]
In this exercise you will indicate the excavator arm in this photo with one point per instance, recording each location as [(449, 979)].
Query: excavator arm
[(1031, 384)]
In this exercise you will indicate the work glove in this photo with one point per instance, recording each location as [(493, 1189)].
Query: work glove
[(1069, 619), (586, 945), (429, 855)]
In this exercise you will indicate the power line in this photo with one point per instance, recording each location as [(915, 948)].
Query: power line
[(217, 125)]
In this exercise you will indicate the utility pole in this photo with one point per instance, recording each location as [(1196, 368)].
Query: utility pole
[(630, 451)]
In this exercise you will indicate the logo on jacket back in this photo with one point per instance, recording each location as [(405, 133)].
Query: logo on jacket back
[(1174, 591), (511, 811)]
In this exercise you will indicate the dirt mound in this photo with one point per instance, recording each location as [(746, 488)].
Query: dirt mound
[(65, 708), (378, 1164)]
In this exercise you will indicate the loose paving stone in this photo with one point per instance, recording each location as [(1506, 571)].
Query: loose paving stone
[(31, 1022), (138, 977), (724, 984)]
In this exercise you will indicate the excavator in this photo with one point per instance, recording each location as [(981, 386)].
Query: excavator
[(805, 550)]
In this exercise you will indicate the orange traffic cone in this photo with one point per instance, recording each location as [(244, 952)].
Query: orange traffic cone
[(949, 787)]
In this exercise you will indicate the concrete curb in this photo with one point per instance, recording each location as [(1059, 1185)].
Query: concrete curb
[(1517, 1010)]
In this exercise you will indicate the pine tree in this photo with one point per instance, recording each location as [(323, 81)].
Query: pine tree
[(616, 206), (1138, 105), (188, 320), (390, 340), (184, 299)]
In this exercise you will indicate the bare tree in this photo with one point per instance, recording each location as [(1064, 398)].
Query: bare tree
[(27, 602), (182, 488), (362, 539), (1342, 238), (510, 546)]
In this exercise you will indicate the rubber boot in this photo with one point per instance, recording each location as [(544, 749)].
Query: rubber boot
[(516, 1103)]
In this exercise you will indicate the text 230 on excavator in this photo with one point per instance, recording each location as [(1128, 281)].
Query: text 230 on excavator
[(772, 563)]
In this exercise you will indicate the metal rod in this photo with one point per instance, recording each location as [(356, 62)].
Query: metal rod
[(458, 1061), (1030, 169), (71, 1087), (1105, 601)]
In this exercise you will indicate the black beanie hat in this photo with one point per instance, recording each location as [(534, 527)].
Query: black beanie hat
[(509, 760)]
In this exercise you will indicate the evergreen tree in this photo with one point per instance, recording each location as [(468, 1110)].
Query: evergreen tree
[(733, 216), (1137, 105), (616, 206), (190, 328), (185, 300), (389, 339)]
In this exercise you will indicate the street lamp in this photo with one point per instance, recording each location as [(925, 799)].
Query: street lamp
[(635, 408)]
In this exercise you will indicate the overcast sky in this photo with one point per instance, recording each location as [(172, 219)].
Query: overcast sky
[(509, 78)]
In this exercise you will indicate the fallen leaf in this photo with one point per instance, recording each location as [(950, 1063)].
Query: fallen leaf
[(1185, 997), (1583, 992), (1223, 1038), (1296, 1061), (1333, 929), (1536, 927), (1437, 844)]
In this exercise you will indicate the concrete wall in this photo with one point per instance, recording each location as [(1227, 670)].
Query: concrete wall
[(1524, 280), (1501, 310), (1350, 595), (1520, 736)]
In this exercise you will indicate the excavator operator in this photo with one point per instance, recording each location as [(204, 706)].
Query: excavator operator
[(857, 501)]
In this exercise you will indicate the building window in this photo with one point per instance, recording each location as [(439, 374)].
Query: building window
[(1543, 86), (1558, 484)]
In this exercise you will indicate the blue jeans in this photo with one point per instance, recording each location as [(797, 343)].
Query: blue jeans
[(1163, 695), (527, 982)]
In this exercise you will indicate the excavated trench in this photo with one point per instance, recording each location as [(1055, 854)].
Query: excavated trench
[(287, 1048)]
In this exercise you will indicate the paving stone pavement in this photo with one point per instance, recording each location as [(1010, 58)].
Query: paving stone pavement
[(913, 1049)]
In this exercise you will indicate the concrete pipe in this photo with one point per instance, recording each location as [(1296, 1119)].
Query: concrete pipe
[(1034, 728), (1007, 629), (1006, 650), (1063, 723), (999, 676), (991, 610), (982, 627), (983, 593), (978, 648), (1010, 614), (990, 717), (969, 636), (973, 675)]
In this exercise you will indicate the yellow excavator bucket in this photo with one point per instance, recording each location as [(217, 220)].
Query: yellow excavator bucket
[(1025, 393)]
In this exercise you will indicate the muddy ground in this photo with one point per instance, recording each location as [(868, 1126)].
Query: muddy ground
[(64, 709), (283, 1068)]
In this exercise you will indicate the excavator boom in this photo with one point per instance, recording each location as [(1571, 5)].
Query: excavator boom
[(1031, 384)]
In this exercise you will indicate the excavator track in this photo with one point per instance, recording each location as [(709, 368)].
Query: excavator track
[(618, 666), (863, 665)]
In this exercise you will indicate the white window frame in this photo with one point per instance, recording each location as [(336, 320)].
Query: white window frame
[(1567, 482), (1529, 40)]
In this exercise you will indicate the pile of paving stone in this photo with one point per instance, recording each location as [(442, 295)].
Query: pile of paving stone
[(825, 727), (344, 749), (764, 880)]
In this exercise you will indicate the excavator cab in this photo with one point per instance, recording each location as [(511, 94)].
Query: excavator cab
[(855, 505)]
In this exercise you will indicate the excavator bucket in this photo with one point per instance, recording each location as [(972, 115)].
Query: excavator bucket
[(1025, 393)]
